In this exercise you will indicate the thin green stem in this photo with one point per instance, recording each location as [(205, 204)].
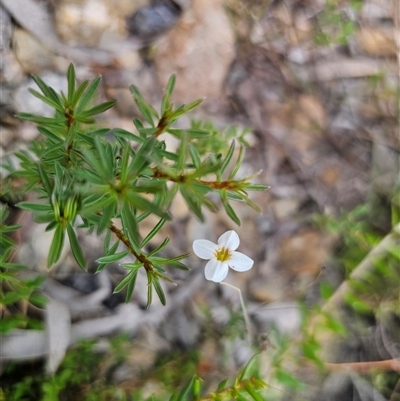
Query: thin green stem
[(245, 314)]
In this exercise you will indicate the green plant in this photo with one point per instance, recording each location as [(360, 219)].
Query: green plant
[(334, 23), (89, 178)]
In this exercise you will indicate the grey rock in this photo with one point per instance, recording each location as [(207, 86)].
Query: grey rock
[(151, 21)]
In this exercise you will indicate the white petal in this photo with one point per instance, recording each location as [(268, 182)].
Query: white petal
[(216, 271), (204, 248), (229, 240), (240, 262)]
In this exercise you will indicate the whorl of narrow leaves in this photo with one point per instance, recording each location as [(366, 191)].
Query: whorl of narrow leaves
[(111, 180)]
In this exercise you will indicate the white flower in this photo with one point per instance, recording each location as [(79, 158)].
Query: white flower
[(222, 256)]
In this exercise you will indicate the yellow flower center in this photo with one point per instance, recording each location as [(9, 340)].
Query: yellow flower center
[(223, 254)]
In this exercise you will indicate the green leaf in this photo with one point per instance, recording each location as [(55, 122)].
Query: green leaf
[(238, 163), (78, 93), (107, 241), (153, 232), (121, 133), (193, 202), (114, 257), (108, 214), (12, 266), (101, 108), (182, 152), (194, 154), (10, 298), (71, 83), (46, 100), (42, 120), (47, 91), (252, 392), (174, 397), (159, 290), (227, 159), (149, 289), (146, 110), (229, 210), (45, 179), (131, 286), (75, 247), (140, 161), (125, 281), (222, 385), (38, 300), (88, 95), (170, 85), (248, 366), (109, 252), (195, 133), (172, 260), (165, 104), (193, 105), (35, 207), (143, 204), (131, 229), (287, 379), (56, 245), (158, 249), (186, 390), (50, 135), (257, 187)]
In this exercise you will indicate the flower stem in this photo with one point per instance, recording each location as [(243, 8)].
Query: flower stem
[(245, 314)]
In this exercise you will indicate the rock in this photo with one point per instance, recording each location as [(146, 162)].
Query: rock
[(377, 9), (284, 208), (344, 68), (266, 289), (33, 57), (376, 41), (199, 49), (153, 20), (305, 252), (82, 22), (94, 22)]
